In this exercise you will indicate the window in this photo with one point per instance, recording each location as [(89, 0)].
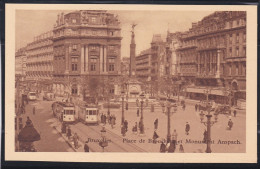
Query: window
[(94, 32), (112, 91), (93, 19), (244, 51), (74, 89), (236, 69), (240, 69), (244, 36), (237, 38), (230, 38), (74, 20), (230, 24), (74, 47), (93, 62), (237, 52), (111, 66), (230, 52), (74, 63)]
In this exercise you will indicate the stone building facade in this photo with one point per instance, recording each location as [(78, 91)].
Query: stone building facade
[(143, 65), (20, 63), (87, 47), (213, 57), (39, 66)]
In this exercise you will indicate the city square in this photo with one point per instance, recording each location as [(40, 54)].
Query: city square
[(78, 90)]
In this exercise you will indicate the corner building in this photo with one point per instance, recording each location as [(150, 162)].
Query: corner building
[(86, 45), (213, 56), (39, 64)]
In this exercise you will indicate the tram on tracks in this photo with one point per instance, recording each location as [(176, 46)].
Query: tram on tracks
[(88, 114), (64, 111)]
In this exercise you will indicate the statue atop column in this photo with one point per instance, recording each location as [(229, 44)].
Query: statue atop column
[(132, 52), (133, 33)]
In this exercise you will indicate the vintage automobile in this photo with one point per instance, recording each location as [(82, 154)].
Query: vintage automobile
[(48, 96)]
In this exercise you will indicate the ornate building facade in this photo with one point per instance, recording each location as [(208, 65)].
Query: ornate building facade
[(87, 47), (39, 66), (20, 63), (213, 56), (143, 65)]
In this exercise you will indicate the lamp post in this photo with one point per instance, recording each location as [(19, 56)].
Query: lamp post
[(103, 143), (169, 106), (142, 114), (123, 116), (208, 123)]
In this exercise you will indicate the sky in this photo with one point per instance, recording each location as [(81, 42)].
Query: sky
[(31, 23)]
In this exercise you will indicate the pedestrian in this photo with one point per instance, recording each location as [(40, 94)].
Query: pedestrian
[(155, 136), (69, 132), (174, 136), (152, 107), (108, 113), (171, 148), (230, 124), (34, 110), (75, 140), (86, 147), (163, 147), (235, 113), (126, 125), (101, 117), (183, 107), (205, 136), (105, 119), (196, 107), (187, 128), (123, 130), (156, 124), (141, 126), (112, 121), (137, 112), (134, 130), (181, 149), (109, 119)]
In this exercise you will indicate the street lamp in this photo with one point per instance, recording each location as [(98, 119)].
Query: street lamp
[(169, 106), (123, 116), (209, 122), (103, 143), (142, 97)]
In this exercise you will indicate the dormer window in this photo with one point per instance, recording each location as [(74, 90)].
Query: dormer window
[(93, 19), (74, 21)]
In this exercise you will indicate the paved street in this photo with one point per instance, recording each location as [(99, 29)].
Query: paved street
[(50, 141), (44, 121), (178, 121)]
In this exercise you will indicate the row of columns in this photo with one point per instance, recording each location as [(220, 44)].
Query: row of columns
[(210, 57), (85, 59)]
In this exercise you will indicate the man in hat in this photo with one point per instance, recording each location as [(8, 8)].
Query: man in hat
[(187, 128), (86, 147)]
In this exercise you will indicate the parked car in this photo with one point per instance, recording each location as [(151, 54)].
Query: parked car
[(31, 96), (48, 96)]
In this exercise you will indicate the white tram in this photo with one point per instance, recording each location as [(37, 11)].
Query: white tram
[(88, 114), (64, 111)]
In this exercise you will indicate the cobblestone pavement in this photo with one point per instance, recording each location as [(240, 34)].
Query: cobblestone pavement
[(224, 141)]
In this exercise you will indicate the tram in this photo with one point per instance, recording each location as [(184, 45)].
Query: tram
[(88, 114), (64, 111)]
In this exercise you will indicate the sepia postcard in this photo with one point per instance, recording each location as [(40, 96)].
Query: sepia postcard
[(131, 83)]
